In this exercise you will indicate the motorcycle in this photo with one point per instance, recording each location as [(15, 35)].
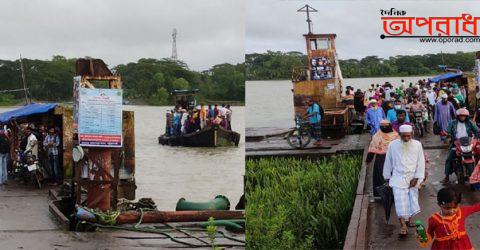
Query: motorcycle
[(466, 149), (418, 119), (28, 168)]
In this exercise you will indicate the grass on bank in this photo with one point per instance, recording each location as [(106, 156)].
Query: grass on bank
[(299, 204)]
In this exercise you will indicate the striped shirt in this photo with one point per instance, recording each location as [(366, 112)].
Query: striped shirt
[(56, 142)]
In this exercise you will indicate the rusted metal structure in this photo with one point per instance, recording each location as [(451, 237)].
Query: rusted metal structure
[(184, 98), (104, 192), (321, 81)]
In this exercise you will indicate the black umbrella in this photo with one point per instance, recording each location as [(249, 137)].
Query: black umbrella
[(386, 193)]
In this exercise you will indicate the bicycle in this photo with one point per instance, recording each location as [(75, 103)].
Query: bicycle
[(301, 135)]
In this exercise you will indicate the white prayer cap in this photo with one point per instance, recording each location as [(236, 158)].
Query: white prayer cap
[(373, 101), (405, 129), (444, 96)]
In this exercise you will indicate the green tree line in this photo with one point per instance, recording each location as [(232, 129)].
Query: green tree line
[(148, 81), (274, 65)]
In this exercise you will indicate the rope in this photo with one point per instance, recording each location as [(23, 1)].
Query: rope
[(141, 218)]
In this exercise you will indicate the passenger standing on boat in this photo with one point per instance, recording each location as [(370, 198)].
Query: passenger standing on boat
[(168, 122), (315, 120), (215, 111), (211, 113), (51, 144), (203, 116), (229, 117), (378, 149), (183, 121), (177, 116), (404, 170), (373, 117), (223, 114)]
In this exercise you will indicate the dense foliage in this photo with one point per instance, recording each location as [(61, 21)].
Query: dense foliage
[(279, 65), (300, 204), (145, 81)]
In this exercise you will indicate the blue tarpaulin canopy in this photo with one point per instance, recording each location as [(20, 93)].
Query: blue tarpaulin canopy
[(29, 109), (446, 76)]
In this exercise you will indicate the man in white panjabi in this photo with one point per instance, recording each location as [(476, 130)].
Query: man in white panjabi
[(404, 170)]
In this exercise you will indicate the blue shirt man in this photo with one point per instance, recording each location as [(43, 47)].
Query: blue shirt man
[(314, 118), (374, 116), (313, 112)]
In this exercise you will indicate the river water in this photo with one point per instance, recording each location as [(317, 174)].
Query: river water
[(168, 173), (270, 103)]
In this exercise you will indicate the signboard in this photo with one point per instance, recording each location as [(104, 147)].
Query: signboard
[(100, 117)]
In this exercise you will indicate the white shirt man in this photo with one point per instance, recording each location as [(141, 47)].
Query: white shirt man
[(368, 94), (183, 120), (405, 169), (32, 144), (387, 93), (431, 96)]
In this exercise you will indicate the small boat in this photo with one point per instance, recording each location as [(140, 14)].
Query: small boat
[(210, 136)]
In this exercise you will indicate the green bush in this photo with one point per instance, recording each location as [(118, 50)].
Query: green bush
[(299, 204), (7, 100)]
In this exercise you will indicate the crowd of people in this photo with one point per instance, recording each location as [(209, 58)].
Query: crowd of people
[(399, 161), (41, 143), (181, 121)]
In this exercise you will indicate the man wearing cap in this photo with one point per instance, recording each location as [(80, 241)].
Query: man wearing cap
[(444, 112), (378, 149), (373, 117), (404, 170), (458, 128)]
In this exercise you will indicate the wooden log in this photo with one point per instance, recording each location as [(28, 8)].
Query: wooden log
[(177, 216)]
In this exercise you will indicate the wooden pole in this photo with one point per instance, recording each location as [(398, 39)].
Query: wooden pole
[(24, 80)]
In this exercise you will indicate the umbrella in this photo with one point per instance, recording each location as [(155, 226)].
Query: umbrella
[(386, 193)]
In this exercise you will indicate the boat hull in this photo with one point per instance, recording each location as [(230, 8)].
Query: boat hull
[(211, 136)]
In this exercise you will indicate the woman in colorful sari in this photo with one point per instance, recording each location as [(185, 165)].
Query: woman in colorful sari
[(378, 149)]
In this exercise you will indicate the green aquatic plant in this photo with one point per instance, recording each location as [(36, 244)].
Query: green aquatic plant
[(299, 204), (212, 232)]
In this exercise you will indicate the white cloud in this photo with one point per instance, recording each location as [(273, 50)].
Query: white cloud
[(209, 31), (275, 25)]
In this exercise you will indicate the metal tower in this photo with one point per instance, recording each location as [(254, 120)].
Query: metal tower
[(174, 44), (307, 8)]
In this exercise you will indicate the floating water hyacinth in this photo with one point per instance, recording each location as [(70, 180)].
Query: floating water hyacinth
[(299, 204)]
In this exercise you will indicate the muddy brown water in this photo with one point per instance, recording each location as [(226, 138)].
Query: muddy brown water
[(270, 103), (168, 173)]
